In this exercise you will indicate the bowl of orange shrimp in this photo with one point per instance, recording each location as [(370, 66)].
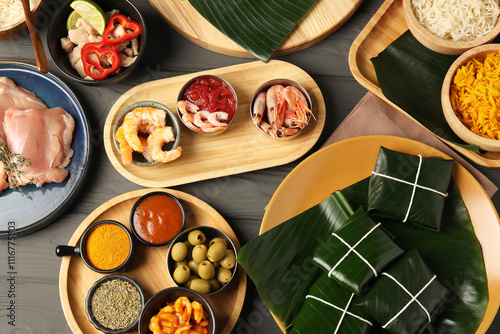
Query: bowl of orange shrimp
[(281, 108), (207, 104), (177, 309), (147, 133)]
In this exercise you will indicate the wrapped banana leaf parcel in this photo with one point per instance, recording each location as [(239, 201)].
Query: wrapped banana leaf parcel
[(280, 263)]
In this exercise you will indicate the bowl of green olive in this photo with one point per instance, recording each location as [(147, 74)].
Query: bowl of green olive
[(203, 259)]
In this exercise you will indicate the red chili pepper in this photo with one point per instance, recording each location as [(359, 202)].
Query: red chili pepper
[(127, 25), (101, 50)]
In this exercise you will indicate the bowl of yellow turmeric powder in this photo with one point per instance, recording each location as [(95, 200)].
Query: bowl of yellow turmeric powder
[(470, 95), (105, 247)]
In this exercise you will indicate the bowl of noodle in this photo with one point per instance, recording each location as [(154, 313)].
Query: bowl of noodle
[(12, 19)]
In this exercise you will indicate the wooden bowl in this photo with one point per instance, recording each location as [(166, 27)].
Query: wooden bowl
[(19, 28), (456, 125), (438, 44)]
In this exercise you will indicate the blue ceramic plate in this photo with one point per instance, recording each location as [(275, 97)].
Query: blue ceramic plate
[(40, 206)]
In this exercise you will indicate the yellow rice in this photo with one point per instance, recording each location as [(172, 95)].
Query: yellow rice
[(475, 95)]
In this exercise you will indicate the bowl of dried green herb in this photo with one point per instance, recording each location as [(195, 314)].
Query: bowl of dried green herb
[(114, 304)]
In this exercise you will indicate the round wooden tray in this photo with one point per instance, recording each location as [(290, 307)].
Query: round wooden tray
[(322, 19), (241, 148), (148, 267)]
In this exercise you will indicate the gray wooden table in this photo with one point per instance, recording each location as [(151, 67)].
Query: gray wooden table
[(239, 198)]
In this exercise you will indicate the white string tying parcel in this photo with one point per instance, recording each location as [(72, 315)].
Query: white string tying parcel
[(353, 250), (415, 185), (343, 310), (413, 299)]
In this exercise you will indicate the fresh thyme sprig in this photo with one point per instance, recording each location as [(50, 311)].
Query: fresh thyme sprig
[(12, 162)]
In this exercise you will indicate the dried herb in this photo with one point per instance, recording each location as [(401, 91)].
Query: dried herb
[(12, 164), (116, 304)]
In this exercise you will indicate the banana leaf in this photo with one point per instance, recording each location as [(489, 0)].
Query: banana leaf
[(372, 251), (392, 192), (411, 76), (453, 254), (279, 261), (390, 299), (258, 26), (325, 304)]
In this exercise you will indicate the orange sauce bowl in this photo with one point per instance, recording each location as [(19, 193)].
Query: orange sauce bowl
[(157, 218)]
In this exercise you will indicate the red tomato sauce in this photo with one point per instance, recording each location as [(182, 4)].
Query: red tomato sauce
[(211, 94), (157, 219)]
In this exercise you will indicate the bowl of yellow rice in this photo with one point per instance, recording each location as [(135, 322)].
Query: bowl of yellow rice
[(470, 97)]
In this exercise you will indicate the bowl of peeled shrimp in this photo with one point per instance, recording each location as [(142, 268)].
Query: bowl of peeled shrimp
[(104, 52), (281, 108), (147, 133), (177, 306), (207, 104)]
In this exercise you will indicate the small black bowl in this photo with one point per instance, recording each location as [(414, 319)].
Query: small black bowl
[(132, 212), (79, 249), (171, 120), (88, 303), (160, 299), (57, 30), (210, 233)]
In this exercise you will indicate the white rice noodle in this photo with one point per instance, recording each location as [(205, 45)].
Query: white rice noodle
[(11, 12), (457, 20)]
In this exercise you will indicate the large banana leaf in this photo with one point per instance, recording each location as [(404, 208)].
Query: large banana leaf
[(258, 26), (411, 76), (279, 261)]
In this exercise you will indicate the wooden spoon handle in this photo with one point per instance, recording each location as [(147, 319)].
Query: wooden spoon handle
[(41, 58)]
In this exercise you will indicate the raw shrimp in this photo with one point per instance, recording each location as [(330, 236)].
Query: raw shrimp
[(137, 118), (125, 149), (155, 142), (259, 107)]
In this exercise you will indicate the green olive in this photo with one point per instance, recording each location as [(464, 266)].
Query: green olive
[(229, 260), (190, 250), (199, 253), (223, 274), (216, 264), (184, 262), (216, 252), (196, 237), (214, 284), (214, 240), (178, 252), (190, 279), (181, 274), (193, 266), (206, 270), (200, 286)]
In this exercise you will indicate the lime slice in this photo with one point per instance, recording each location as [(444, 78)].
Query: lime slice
[(91, 12), (72, 18)]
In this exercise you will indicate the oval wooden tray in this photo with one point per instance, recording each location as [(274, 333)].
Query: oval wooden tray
[(322, 19), (148, 267), (387, 25), (241, 148)]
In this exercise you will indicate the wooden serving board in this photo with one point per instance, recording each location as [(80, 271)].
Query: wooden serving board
[(322, 19), (148, 266), (387, 25), (241, 148)]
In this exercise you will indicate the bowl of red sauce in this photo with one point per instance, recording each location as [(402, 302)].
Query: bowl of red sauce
[(207, 104), (157, 218)]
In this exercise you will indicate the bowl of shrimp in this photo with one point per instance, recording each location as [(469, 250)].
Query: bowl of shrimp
[(207, 104), (147, 133), (281, 108), (177, 307)]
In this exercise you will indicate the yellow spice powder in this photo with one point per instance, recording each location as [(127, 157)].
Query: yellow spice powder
[(475, 95), (107, 246)]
